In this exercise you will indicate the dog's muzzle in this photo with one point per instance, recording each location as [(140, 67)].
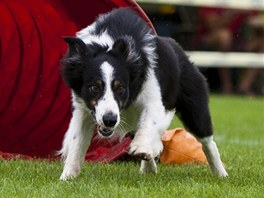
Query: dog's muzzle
[(105, 132), (109, 121)]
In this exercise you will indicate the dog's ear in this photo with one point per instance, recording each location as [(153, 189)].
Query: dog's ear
[(76, 46), (125, 49), (120, 46), (72, 67)]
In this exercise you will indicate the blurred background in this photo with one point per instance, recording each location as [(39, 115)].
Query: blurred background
[(224, 38)]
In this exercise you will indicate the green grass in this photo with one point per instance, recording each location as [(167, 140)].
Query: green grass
[(239, 132)]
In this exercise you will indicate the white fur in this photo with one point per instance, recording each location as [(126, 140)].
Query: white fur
[(132, 56), (88, 37), (86, 32), (150, 49), (213, 156), (76, 140), (107, 103), (154, 120)]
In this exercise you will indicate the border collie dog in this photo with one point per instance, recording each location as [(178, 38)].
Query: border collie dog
[(124, 77)]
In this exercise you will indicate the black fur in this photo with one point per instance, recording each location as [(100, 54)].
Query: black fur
[(182, 86)]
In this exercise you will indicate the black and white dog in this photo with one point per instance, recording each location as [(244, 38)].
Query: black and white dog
[(124, 77)]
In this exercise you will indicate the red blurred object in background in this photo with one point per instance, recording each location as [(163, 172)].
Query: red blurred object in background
[(35, 104)]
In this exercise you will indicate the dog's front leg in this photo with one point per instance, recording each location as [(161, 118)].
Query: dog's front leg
[(147, 142), (76, 142)]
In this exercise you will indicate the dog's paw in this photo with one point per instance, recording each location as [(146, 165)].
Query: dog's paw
[(69, 173), (143, 156), (141, 150), (148, 166), (221, 172)]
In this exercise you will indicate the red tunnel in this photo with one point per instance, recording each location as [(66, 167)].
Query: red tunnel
[(35, 104)]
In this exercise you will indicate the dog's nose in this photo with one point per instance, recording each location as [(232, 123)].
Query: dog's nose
[(109, 119)]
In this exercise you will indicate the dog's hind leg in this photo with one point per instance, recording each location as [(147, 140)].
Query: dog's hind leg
[(199, 123), (192, 108), (212, 154), (76, 142)]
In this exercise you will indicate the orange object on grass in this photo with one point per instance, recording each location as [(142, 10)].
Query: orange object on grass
[(180, 147)]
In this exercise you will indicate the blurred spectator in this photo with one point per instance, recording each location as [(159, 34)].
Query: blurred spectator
[(220, 30), (254, 43)]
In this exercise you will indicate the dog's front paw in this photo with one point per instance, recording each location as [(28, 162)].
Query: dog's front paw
[(141, 150), (69, 173)]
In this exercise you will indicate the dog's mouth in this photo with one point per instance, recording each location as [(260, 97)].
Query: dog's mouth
[(106, 132)]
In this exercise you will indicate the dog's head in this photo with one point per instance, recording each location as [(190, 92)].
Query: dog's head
[(101, 77)]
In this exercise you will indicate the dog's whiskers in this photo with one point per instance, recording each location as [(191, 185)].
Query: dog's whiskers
[(123, 128), (126, 125)]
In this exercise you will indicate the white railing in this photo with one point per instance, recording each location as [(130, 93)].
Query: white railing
[(236, 4), (228, 59)]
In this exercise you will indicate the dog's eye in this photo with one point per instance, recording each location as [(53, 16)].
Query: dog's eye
[(94, 89), (120, 91)]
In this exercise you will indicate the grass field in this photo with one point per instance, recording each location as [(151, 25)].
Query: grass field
[(239, 132)]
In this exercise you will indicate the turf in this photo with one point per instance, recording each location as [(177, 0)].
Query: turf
[(238, 124)]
